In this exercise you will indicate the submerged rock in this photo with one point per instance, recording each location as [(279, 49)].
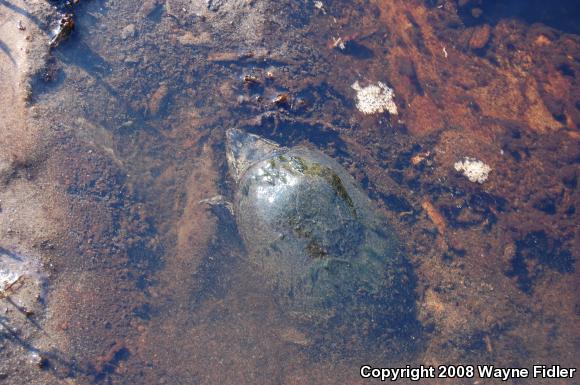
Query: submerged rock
[(330, 258)]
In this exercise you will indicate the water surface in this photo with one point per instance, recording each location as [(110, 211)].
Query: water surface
[(153, 285)]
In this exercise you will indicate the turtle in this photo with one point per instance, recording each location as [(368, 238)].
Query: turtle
[(330, 258)]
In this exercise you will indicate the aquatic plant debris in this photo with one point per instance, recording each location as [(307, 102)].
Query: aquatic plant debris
[(473, 169), (374, 99)]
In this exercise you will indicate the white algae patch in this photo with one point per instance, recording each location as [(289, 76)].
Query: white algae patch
[(375, 98), (473, 169)]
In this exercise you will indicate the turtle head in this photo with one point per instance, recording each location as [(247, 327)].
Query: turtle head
[(244, 149)]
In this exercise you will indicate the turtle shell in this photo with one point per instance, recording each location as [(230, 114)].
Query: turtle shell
[(317, 239)]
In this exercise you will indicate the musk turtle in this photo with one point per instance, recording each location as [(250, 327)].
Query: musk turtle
[(316, 238)]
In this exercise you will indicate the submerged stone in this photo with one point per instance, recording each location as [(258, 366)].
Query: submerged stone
[(330, 258)]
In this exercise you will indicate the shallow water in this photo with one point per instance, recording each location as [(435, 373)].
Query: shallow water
[(153, 286)]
